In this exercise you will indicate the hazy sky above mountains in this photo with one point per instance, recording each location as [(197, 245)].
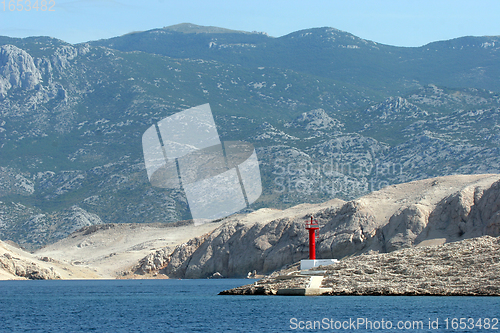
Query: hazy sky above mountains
[(393, 22)]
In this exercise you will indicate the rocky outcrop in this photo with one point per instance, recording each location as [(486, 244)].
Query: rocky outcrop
[(315, 120), (13, 182), (76, 218), (39, 226), (471, 211), (425, 212), (153, 262), (21, 268), (395, 108), (235, 249), (469, 267), (17, 70)]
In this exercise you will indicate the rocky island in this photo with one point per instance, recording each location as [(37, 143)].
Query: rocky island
[(468, 268)]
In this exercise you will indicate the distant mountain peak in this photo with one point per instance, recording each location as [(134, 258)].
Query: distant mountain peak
[(190, 28), (394, 107), (315, 120), (467, 42), (332, 36)]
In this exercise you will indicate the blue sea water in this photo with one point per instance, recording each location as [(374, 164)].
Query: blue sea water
[(194, 306)]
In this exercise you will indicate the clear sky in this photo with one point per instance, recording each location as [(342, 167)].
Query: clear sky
[(393, 22)]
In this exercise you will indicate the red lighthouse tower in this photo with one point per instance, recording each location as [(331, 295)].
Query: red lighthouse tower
[(312, 226)]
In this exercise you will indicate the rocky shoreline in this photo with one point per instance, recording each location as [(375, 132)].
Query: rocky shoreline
[(466, 268)]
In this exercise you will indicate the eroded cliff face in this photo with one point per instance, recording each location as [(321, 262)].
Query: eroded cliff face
[(235, 249), (17, 70), (431, 218), (419, 213)]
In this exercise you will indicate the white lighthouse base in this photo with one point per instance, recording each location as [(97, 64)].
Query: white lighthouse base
[(308, 263)]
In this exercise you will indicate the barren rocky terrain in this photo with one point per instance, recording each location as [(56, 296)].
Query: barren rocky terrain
[(17, 264), (416, 214), (427, 212), (96, 252)]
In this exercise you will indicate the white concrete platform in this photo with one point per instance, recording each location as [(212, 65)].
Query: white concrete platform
[(312, 289), (308, 263)]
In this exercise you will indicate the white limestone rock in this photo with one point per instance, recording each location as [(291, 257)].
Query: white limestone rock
[(17, 70)]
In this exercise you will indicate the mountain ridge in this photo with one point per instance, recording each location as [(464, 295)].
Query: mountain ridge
[(70, 137), (194, 28), (341, 54)]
